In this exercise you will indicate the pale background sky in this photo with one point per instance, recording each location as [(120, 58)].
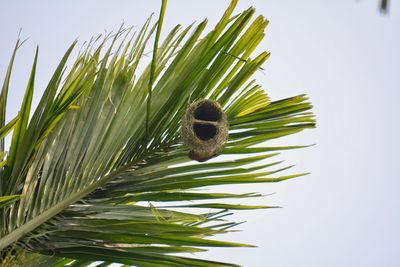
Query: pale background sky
[(343, 53)]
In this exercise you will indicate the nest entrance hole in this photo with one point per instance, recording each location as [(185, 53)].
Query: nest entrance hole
[(207, 111), (204, 131)]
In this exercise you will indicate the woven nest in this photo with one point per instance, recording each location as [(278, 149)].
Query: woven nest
[(204, 129)]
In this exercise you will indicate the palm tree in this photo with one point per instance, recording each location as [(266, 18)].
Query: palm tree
[(98, 171)]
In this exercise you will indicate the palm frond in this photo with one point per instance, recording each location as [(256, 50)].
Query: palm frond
[(97, 155)]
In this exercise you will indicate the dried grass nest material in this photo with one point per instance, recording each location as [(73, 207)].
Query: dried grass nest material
[(204, 129)]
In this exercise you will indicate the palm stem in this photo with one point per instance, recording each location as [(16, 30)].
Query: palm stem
[(48, 214), (153, 65)]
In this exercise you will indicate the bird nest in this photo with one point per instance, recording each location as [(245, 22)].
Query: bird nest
[(204, 129)]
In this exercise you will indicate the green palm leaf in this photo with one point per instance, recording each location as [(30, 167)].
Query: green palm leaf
[(99, 172)]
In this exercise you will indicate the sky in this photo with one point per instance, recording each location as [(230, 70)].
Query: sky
[(343, 53)]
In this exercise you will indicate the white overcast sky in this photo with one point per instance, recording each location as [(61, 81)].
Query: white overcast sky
[(343, 53)]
